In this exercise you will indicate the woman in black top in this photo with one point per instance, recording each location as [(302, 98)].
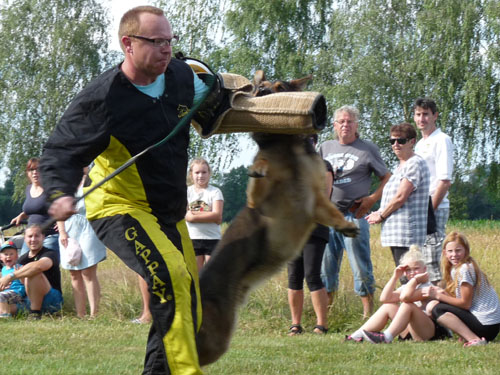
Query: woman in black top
[(35, 207)]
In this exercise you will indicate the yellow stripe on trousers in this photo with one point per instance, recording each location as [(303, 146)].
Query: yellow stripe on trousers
[(179, 341)]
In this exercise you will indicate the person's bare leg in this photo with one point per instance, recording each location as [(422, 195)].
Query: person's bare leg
[(379, 319), (145, 316), (4, 308), (454, 323), (410, 315), (296, 302), (36, 289), (319, 300), (200, 261), (367, 302), (78, 292), (93, 289)]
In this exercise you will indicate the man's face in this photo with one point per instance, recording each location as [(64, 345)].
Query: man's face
[(33, 238), (425, 119), (147, 58), (346, 127)]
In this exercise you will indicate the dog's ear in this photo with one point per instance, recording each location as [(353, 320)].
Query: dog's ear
[(258, 77), (300, 83)]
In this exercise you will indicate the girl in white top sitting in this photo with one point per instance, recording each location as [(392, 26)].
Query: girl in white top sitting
[(468, 305), (204, 212)]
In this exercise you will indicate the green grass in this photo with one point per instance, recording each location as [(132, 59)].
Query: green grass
[(112, 345)]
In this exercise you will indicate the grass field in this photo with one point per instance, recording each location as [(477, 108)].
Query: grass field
[(112, 345)]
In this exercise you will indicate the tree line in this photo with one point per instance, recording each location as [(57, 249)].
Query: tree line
[(378, 55)]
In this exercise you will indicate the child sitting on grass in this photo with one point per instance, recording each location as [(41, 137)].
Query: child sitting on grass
[(405, 306), (468, 305), (15, 292)]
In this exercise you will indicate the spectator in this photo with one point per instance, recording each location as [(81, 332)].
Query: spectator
[(405, 198), (84, 274), (146, 316), (308, 266), (204, 211), (436, 149), (404, 306), (35, 207), (468, 305), (12, 292), (353, 160), (40, 274)]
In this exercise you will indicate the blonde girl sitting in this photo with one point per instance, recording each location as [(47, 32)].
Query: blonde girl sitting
[(404, 306)]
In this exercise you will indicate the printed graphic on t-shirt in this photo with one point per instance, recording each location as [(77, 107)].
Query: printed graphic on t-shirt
[(342, 163), (199, 205)]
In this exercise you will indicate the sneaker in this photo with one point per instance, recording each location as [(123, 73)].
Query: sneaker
[(476, 342), (349, 338), (374, 337)]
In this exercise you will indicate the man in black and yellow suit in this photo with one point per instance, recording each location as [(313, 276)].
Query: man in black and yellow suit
[(139, 214)]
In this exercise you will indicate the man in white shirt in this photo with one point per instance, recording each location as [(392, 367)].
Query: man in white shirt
[(436, 149)]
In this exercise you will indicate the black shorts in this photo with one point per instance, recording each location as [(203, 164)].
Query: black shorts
[(204, 247), (440, 332)]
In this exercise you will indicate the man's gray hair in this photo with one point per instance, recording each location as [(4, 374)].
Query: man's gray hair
[(353, 111)]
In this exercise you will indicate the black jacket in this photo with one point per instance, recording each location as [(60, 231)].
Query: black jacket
[(110, 121)]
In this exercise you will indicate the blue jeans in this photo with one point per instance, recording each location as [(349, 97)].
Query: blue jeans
[(358, 253)]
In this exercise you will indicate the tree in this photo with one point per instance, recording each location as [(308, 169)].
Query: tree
[(50, 50), (233, 188), (8, 208), (199, 23), (380, 56)]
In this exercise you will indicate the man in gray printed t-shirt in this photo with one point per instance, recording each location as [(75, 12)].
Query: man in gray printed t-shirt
[(353, 160)]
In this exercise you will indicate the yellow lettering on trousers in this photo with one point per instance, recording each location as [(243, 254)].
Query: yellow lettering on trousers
[(145, 255), (131, 234), (139, 247), (160, 293), (157, 282), (152, 267)]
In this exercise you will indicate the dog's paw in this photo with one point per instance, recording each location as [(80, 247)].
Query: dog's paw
[(349, 230), (258, 169)]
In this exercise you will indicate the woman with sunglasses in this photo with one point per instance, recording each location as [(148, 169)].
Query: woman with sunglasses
[(405, 198)]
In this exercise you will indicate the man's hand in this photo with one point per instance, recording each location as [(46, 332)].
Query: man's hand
[(62, 208), (364, 205)]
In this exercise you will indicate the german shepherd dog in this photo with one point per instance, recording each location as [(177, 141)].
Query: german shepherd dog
[(285, 199)]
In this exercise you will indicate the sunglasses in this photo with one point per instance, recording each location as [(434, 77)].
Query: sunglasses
[(401, 141)]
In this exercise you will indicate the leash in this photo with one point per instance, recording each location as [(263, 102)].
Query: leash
[(185, 120)]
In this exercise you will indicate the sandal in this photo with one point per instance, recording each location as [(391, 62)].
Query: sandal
[(476, 342), (295, 329), (322, 330)]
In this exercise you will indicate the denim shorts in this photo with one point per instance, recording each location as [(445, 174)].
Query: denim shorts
[(52, 302)]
